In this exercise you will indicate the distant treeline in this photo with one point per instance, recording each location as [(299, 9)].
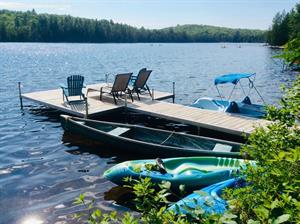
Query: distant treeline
[(285, 27), (32, 27)]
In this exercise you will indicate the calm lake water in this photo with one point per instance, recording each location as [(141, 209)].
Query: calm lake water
[(42, 169)]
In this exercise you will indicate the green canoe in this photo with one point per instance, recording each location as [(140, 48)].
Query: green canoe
[(193, 172), (147, 141)]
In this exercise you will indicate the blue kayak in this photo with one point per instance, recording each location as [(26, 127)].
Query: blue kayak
[(209, 198), (193, 172)]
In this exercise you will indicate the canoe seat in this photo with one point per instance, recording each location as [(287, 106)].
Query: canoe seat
[(118, 131), (222, 148)]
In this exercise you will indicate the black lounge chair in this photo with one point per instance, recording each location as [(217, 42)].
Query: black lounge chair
[(140, 82), (74, 88), (120, 86)]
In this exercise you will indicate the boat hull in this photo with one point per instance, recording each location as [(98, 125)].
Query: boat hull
[(127, 145), (240, 108)]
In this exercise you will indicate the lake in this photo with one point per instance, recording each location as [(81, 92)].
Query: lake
[(43, 169)]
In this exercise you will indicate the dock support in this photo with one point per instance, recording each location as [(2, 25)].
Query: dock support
[(198, 130), (20, 95), (173, 92), (126, 100), (86, 108), (152, 94)]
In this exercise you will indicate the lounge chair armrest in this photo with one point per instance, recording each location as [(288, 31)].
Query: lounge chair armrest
[(106, 88), (62, 86)]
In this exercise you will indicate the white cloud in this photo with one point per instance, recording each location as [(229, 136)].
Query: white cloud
[(24, 6)]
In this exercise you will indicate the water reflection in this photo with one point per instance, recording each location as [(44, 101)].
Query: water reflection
[(32, 220)]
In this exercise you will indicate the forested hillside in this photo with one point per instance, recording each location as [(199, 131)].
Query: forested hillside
[(285, 27), (32, 27)]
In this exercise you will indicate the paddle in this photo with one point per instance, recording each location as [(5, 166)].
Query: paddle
[(161, 165)]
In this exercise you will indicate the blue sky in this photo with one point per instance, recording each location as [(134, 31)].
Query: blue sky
[(163, 13)]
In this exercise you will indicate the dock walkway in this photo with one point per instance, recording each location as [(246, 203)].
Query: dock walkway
[(214, 120)]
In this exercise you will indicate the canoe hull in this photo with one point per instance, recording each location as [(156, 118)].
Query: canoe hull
[(137, 147)]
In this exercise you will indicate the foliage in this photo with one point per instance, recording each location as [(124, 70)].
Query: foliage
[(285, 27), (290, 106), (274, 193), (151, 200), (32, 27), (95, 216), (291, 52)]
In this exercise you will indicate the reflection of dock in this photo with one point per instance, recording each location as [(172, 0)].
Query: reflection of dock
[(219, 121)]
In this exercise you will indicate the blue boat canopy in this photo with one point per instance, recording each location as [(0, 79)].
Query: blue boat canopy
[(232, 78)]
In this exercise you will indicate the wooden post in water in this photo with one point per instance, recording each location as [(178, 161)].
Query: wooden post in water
[(86, 108), (198, 130), (173, 92), (20, 95), (126, 101), (152, 94)]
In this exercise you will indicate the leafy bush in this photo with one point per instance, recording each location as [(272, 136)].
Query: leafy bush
[(291, 52), (289, 112)]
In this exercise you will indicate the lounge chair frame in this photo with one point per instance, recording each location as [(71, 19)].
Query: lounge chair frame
[(140, 82), (120, 86)]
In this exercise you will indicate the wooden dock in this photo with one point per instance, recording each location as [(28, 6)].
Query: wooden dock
[(214, 120)]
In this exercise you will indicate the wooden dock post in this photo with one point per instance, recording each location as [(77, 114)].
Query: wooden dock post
[(86, 108), (173, 92), (126, 101), (20, 95), (152, 94)]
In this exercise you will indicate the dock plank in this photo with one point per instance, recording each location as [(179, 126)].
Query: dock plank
[(215, 120)]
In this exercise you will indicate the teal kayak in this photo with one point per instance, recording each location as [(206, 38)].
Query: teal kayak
[(193, 172)]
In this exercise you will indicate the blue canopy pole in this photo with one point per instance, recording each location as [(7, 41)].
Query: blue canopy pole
[(243, 89), (259, 95), (231, 92), (219, 93)]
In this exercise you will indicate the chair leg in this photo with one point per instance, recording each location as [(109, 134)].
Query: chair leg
[(130, 94), (67, 99), (113, 94), (149, 90), (100, 94)]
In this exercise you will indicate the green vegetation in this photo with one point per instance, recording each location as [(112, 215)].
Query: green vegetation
[(285, 27), (273, 196), (291, 53), (32, 27), (286, 31)]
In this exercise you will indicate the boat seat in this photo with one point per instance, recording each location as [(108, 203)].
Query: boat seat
[(189, 167), (222, 148), (118, 131)]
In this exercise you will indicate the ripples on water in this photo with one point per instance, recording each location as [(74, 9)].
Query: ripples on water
[(42, 169)]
